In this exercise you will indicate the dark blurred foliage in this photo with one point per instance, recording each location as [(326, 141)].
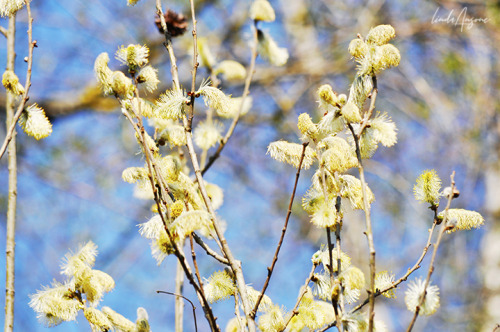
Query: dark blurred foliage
[(443, 98)]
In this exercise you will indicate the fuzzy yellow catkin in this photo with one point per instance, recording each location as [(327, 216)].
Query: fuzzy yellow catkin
[(215, 98), (35, 123), (358, 48), (269, 50), (97, 319), (231, 70), (11, 82), (103, 73), (261, 10), (148, 78), (306, 126), (427, 187), (171, 104), (327, 95), (380, 34), (384, 279), (219, 286), (463, 219), (414, 292), (134, 56), (290, 153), (119, 322), (121, 85), (10, 7)]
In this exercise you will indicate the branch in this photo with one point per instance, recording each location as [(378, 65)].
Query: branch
[(246, 90), (31, 45), (185, 298), (299, 299), (415, 267), (195, 67), (434, 252), (369, 233), (209, 250), (283, 231), (10, 235), (177, 251), (179, 304), (4, 31)]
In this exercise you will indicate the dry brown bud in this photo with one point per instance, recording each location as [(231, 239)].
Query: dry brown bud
[(176, 23)]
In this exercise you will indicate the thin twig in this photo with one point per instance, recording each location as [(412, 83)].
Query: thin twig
[(195, 264), (246, 91), (209, 250), (299, 299), (415, 267), (195, 67), (368, 233), (20, 108), (434, 253), (179, 304), (4, 31), (177, 251), (185, 298), (283, 231)]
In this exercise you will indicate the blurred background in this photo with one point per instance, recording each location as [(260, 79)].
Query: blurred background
[(443, 98)]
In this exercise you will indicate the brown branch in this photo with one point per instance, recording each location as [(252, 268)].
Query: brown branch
[(246, 91), (31, 45), (177, 251), (283, 231), (368, 233), (190, 302), (195, 264), (209, 250), (434, 253), (415, 267), (299, 299), (195, 68)]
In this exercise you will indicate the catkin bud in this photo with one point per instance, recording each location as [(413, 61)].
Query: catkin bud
[(262, 10), (381, 34), (9, 7), (231, 70), (11, 82), (35, 123), (121, 84), (358, 48), (269, 50), (327, 95), (306, 126)]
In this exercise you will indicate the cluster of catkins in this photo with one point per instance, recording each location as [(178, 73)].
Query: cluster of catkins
[(83, 290)]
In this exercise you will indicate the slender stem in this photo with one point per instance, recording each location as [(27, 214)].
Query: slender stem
[(12, 196), (31, 45), (209, 250), (190, 302), (195, 264), (179, 303), (434, 253), (195, 66), (338, 228), (4, 31), (177, 250), (246, 91), (294, 311), (168, 46), (283, 231), (235, 264), (369, 233), (415, 267)]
